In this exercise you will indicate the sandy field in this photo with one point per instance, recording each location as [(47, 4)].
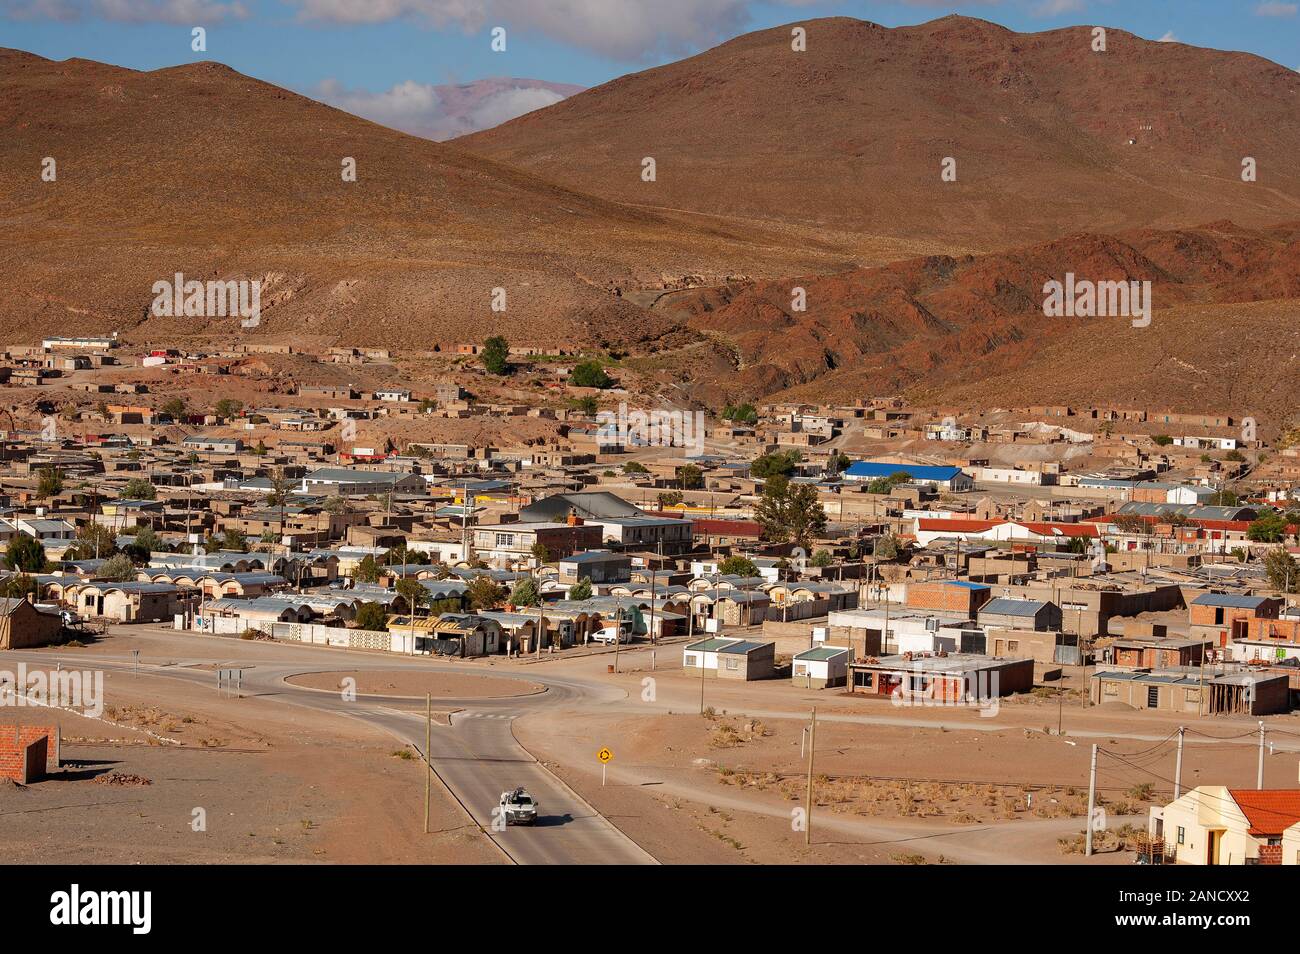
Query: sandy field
[(275, 784)]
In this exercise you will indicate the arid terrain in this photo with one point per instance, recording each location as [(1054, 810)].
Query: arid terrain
[(688, 276)]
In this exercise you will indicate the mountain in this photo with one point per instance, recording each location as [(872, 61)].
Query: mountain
[(445, 111), (1222, 327), (847, 138), (200, 170)]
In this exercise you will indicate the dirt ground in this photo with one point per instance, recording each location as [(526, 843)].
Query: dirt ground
[(268, 784), (909, 787), (414, 684)]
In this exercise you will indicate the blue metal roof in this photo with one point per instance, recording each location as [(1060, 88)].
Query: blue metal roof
[(871, 470)]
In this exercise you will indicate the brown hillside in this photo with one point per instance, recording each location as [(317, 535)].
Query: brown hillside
[(851, 133), (202, 170), (942, 323)]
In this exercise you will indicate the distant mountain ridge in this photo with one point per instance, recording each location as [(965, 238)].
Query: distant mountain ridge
[(1048, 136)]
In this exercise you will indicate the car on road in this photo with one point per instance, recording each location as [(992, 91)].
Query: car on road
[(518, 807)]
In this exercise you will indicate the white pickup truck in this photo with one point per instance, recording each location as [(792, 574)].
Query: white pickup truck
[(518, 807)]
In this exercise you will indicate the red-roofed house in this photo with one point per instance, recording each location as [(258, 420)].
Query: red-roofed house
[(1216, 825)]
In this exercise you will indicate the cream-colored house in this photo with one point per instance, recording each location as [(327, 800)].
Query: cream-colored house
[(1216, 825)]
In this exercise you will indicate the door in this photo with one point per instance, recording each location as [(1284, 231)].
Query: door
[(1153, 697)]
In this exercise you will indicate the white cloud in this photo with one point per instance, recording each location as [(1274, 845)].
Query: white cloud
[(1168, 38), (441, 112), (188, 12), (195, 12), (1277, 9), (623, 29)]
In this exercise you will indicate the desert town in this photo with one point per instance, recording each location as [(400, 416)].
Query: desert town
[(862, 632)]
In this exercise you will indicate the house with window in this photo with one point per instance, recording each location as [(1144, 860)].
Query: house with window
[(740, 659), (505, 544), (820, 667), (1217, 825), (1224, 617)]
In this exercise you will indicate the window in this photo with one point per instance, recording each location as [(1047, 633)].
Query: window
[(1192, 695), (733, 663), (1013, 645), (1182, 834), (690, 659), (1110, 689), (505, 539)]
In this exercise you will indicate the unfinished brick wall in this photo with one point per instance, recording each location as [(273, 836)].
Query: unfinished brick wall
[(15, 742), (947, 598)]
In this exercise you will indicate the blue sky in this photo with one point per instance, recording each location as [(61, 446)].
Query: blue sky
[(377, 55)]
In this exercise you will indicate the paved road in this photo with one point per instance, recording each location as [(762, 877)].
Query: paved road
[(476, 756)]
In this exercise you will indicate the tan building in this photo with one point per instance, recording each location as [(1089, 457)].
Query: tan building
[(23, 626)]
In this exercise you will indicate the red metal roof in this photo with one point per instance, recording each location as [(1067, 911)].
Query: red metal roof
[(1269, 811)]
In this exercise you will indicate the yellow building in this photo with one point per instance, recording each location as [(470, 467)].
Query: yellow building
[(1216, 825)]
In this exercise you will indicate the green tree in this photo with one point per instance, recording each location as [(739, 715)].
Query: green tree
[(886, 547), (413, 594), (1268, 527), (740, 413), (496, 355), (1283, 571), (228, 407), (234, 539), (690, 477), (25, 554), (525, 593), (176, 408), (540, 553), (738, 566), (147, 539), (118, 568), (789, 512), (776, 464), (635, 467), (585, 404), (93, 541), (138, 488), (589, 374), (581, 590), (371, 616), (367, 570), (1235, 456), (484, 593), (1162, 440), (49, 483), (822, 559), (670, 498), (886, 485)]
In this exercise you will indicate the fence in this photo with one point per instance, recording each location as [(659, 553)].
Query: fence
[(310, 633)]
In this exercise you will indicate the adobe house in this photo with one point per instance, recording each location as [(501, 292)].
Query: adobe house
[(23, 626)]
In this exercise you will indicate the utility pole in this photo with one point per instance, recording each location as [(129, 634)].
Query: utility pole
[(618, 625), (1259, 772), (653, 574), (808, 797), (1178, 765), (428, 766), (1092, 801)]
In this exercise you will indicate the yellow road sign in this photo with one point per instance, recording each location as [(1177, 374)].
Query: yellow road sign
[(605, 755)]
